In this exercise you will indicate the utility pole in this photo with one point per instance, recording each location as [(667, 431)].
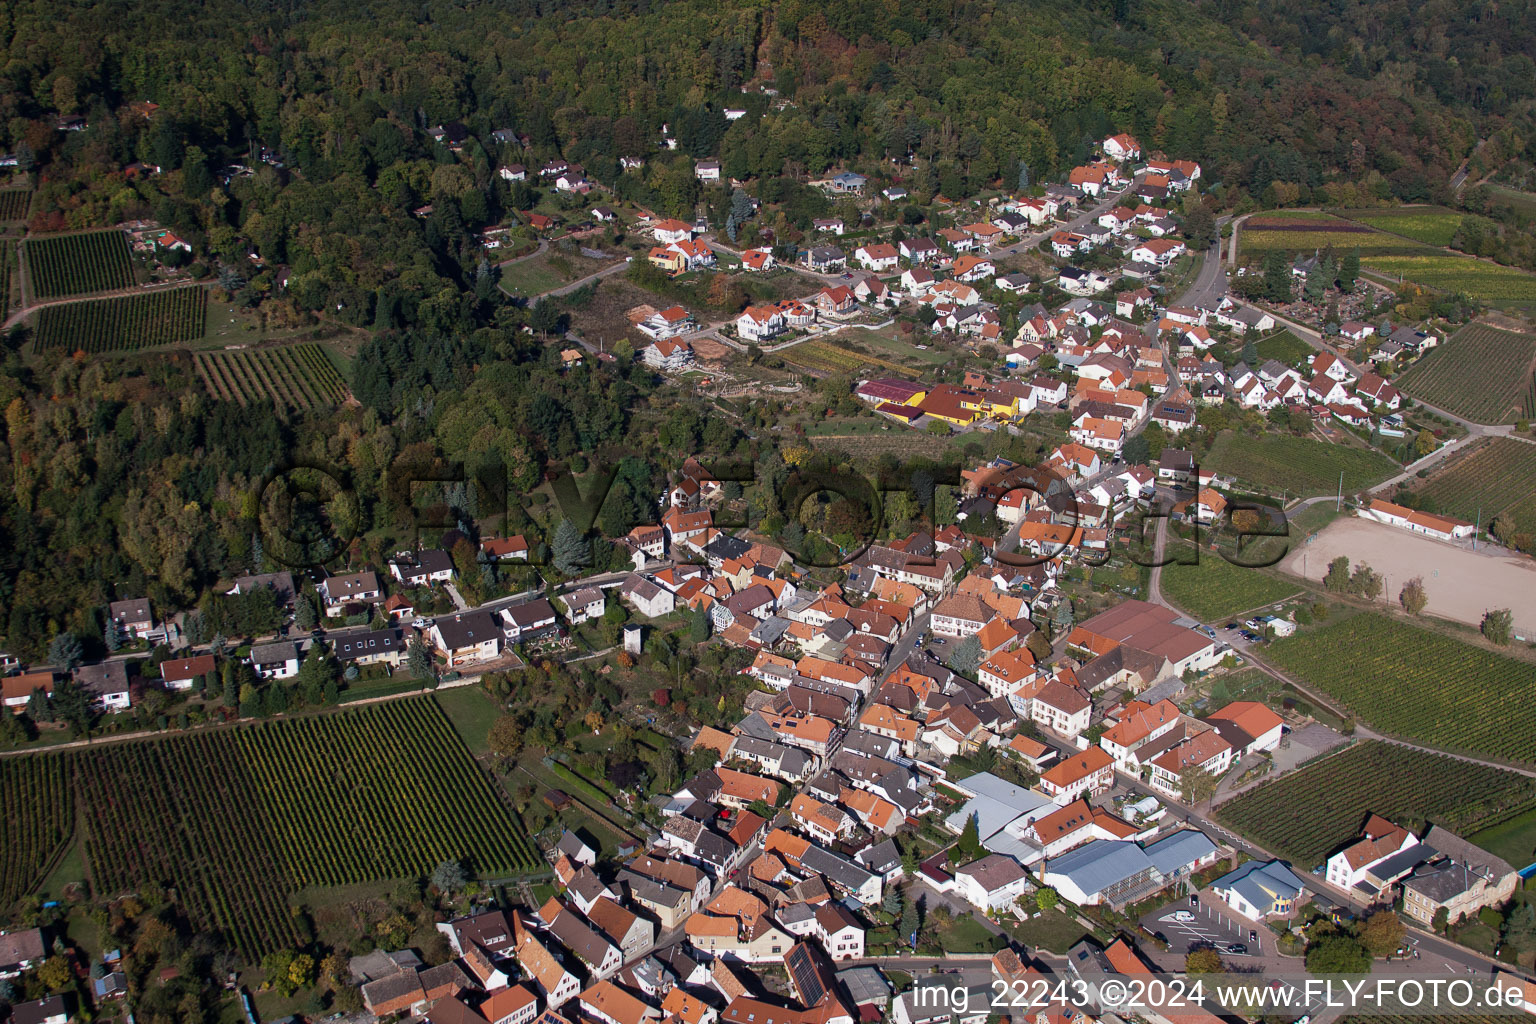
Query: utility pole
[(1478, 527), (1339, 503)]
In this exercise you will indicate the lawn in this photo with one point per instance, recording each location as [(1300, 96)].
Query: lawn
[(1284, 347), (1489, 282), (1296, 465), (1306, 815), (1432, 225), (1513, 840), (964, 934), (471, 713), (1213, 588), (1051, 930), (1419, 684), (532, 276)]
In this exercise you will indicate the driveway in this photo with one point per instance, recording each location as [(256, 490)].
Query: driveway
[(1210, 927)]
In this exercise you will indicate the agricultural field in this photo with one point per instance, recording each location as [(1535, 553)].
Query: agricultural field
[(1296, 465), (1481, 373), (1308, 814), (40, 819), (1284, 347), (825, 357), (94, 261), (1521, 202), (1419, 684), (182, 812), (1298, 232), (1432, 225), (401, 794), (124, 324), (290, 376), (1498, 478), (890, 343), (7, 269), (14, 203), (1487, 282), (1213, 588)]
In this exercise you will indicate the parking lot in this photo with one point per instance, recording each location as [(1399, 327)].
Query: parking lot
[(1211, 924)]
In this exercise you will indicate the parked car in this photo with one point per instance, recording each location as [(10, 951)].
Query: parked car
[(1194, 899), (1183, 916), (1253, 936), (1237, 949)]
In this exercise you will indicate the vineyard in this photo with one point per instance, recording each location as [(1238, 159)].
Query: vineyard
[(1301, 465), (1305, 816), (182, 813), (1432, 225), (1482, 373), (292, 376), (1213, 588), (39, 819), (7, 269), (1447, 272), (14, 203), (63, 265), (1309, 232), (387, 791), (1419, 684), (1496, 479), (824, 357), (123, 324)]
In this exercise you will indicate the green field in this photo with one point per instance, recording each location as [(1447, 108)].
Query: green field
[(1481, 373), (532, 276), (1307, 232), (1514, 840), (1487, 282), (1498, 478), (472, 714), (92, 261), (1213, 588), (1284, 347), (1296, 465), (1432, 225), (1418, 684), (1306, 815), (890, 343), (1523, 202)]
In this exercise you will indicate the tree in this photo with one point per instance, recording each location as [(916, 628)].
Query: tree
[(1520, 928), (318, 669), (909, 922), (1047, 898), (1382, 933), (111, 636), (1441, 919), (1366, 582), (1496, 624), (55, 973), (506, 737), (65, 652), (1337, 579), (698, 625), (71, 704), (966, 655), (891, 903), (1337, 954), (1413, 598), (449, 877), (1424, 443), (38, 708), (1277, 278), (420, 661), (304, 615), (1250, 352), (1349, 270), (970, 840), (570, 549), (1196, 784), (1203, 960)]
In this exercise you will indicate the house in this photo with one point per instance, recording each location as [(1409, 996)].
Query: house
[(707, 170), (993, 883), (337, 592), (970, 268), (756, 260), (695, 252), (668, 231), (600, 956), (180, 673), (52, 1010), (848, 182), (1260, 890), (275, 661), (107, 683), (871, 289), (1208, 507), (667, 354), (1175, 466), (133, 617), (1439, 527), (829, 225), (281, 584), (1121, 147), (759, 323), (1377, 391), (1248, 725), (421, 568), (917, 282), (646, 596), (1062, 708), (515, 1005), (17, 692), (583, 605), (825, 258), (837, 299), (1086, 774), (505, 549), (466, 638), (555, 983), (879, 257), (513, 172), (1157, 251), (1208, 752), (1461, 880), (529, 620), (666, 323), (919, 250), (20, 950)]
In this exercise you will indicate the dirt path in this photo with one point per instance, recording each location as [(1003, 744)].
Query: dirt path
[(117, 293)]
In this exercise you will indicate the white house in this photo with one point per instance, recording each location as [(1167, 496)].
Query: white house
[(583, 605), (759, 323), (993, 883), (276, 661), (880, 257), (467, 638), (1379, 839), (667, 354)]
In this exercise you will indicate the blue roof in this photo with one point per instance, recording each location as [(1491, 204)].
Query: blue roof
[(1177, 851), (849, 176), (1098, 865), (1259, 882)]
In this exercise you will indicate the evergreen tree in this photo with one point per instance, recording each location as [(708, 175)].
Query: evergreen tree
[(1277, 278), (419, 660), (38, 708), (217, 644), (65, 652), (966, 656), (258, 555), (1250, 353), (111, 637), (304, 615), (570, 549), (1349, 270), (194, 627), (909, 922), (698, 625)]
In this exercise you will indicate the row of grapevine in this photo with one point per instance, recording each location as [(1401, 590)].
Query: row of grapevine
[(1306, 815), (63, 265), (387, 791), (180, 813), (125, 324), (1481, 373), (14, 203), (39, 819), (293, 376)]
